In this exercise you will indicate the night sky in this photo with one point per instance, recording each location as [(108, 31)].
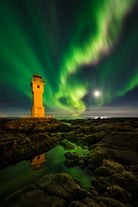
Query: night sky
[(78, 47)]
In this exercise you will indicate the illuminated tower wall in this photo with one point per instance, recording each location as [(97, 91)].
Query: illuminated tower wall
[(37, 85)]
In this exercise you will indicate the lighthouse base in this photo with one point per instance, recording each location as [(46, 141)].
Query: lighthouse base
[(38, 111)]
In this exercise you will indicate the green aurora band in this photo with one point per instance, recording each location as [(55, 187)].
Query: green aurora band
[(37, 39)]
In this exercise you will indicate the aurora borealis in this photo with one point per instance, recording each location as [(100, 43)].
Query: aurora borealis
[(77, 46)]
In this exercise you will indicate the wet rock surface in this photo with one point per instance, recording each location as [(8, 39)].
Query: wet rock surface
[(51, 190), (112, 158), (23, 138), (67, 145)]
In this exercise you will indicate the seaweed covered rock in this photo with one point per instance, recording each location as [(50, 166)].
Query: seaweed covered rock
[(111, 161), (72, 159), (95, 137), (67, 145), (95, 157), (51, 190), (113, 181), (26, 137)]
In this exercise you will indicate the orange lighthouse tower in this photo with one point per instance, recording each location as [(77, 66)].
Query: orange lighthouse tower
[(37, 85)]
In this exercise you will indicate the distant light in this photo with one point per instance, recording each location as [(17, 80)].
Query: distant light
[(100, 117), (96, 93)]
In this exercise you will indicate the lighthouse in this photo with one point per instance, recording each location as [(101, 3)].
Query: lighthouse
[(37, 85)]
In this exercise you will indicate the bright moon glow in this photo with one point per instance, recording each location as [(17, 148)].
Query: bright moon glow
[(97, 93)]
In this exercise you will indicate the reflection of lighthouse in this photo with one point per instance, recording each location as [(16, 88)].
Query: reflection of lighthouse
[(37, 85), (38, 161)]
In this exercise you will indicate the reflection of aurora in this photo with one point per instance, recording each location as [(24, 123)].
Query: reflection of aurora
[(75, 51), (54, 164)]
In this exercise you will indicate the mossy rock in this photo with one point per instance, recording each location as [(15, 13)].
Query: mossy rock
[(114, 181), (119, 193), (95, 158), (109, 167), (58, 190), (81, 163), (71, 163), (96, 185), (77, 204), (71, 155), (90, 202), (94, 138), (110, 202), (102, 171), (113, 166), (67, 145)]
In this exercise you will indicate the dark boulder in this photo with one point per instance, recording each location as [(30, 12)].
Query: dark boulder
[(52, 190)]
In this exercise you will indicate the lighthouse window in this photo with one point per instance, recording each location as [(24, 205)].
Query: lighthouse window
[(38, 86)]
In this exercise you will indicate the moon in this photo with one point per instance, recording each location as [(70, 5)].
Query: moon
[(96, 93)]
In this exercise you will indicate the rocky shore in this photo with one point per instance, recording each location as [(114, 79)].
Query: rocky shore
[(112, 158), (23, 138)]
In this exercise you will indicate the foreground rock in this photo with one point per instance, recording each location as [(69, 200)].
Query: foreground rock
[(61, 190), (115, 139), (112, 161), (67, 145), (23, 138), (52, 190), (112, 158), (112, 181)]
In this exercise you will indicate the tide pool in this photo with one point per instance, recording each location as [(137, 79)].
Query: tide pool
[(16, 177)]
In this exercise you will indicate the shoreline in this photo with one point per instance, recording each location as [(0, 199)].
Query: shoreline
[(112, 154)]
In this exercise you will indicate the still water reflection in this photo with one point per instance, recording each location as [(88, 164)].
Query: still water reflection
[(17, 176), (38, 162)]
